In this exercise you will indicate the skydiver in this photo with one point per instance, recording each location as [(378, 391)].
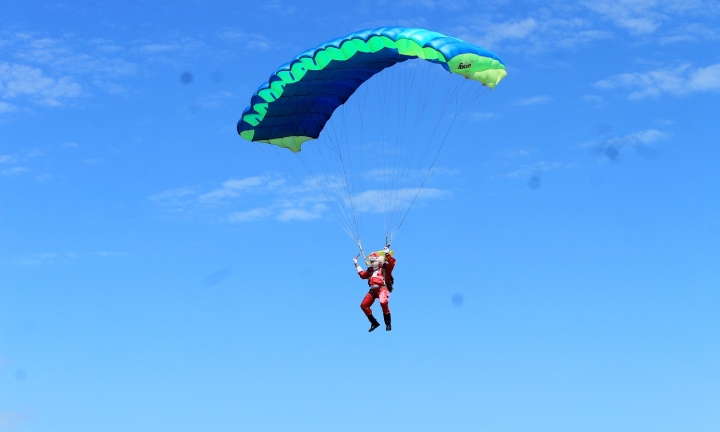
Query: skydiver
[(380, 280)]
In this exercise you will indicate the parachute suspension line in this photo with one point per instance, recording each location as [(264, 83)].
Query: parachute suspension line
[(408, 163), (341, 213), (275, 150), (467, 100), (360, 110), (403, 102), (348, 182), (400, 188), (331, 179), (382, 94), (483, 92), (448, 96), (419, 149), (342, 216), (261, 147)]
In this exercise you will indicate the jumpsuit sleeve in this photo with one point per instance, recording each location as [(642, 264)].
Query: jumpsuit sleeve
[(389, 266), (365, 274)]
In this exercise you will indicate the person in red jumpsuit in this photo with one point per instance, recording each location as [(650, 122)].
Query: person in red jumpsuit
[(379, 277)]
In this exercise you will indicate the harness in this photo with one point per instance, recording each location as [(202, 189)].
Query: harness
[(385, 281)]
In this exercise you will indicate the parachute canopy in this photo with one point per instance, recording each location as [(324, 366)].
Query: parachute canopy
[(294, 105)]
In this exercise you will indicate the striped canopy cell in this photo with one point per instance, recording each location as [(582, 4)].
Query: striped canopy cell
[(293, 106)]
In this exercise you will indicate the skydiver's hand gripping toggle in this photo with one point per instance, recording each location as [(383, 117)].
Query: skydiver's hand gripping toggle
[(357, 267)]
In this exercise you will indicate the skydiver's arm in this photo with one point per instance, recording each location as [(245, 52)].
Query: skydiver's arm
[(390, 261), (364, 274), (390, 264)]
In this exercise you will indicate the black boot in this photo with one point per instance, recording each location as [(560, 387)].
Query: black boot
[(388, 327), (373, 323)]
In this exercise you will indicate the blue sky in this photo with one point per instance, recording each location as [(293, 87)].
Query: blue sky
[(157, 272)]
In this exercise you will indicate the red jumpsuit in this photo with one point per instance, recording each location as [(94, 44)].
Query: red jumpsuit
[(378, 288)]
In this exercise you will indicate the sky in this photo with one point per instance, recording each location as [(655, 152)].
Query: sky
[(160, 273)]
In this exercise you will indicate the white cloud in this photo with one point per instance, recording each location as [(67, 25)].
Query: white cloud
[(106, 254), (159, 48), (63, 56), (690, 33), (6, 107), (42, 258), (10, 172), (379, 201), (47, 71), (8, 159), (20, 80), (482, 115), (247, 40), (212, 101), (641, 141), (10, 420), (645, 137), (233, 188), (538, 33), (637, 16), (533, 169), (273, 197), (516, 153), (175, 197), (315, 212), (249, 215), (535, 100), (678, 80), (643, 17)]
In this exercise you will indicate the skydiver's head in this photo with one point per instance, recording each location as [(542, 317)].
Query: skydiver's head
[(375, 260)]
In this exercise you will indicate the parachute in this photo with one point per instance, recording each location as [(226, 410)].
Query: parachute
[(389, 123)]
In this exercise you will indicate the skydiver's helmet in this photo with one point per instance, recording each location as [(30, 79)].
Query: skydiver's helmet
[(375, 260)]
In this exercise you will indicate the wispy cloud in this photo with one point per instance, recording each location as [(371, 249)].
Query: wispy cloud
[(175, 197), (233, 188), (642, 17), (11, 172), (11, 420), (41, 258), (531, 34), (68, 56), (379, 201), (640, 141), (678, 80), (45, 71), (249, 215), (252, 41), (272, 197), (159, 48), (693, 32), (6, 107), (300, 213), (19, 80), (534, 100), (478, 116), (637, 16), (532, 169)]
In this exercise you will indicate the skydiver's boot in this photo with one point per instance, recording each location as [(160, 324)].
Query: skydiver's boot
[(373, 323), (388, 327)]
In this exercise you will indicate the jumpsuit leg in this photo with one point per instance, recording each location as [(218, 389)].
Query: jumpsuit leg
[(366, 303), (384, 296)]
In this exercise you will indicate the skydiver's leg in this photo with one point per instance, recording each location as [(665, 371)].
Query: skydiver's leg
[(365, 306), (366, 303), (384, 296)]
